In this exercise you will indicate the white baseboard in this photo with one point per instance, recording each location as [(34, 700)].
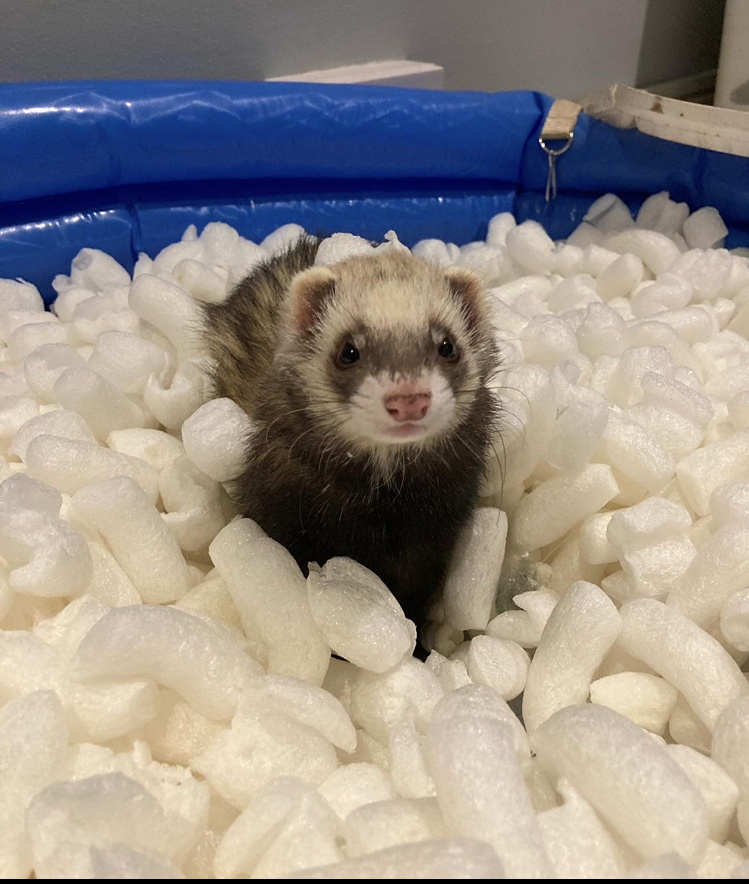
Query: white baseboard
[(410, 74)]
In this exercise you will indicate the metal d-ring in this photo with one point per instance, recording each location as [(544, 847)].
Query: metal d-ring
[(552, 154)]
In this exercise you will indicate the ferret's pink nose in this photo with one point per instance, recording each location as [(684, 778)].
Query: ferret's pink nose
[(405, 405)]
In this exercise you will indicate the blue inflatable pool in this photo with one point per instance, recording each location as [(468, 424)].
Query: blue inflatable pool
[(126, 166)]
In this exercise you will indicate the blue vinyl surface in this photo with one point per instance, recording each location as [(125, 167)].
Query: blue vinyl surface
[(126, 166)]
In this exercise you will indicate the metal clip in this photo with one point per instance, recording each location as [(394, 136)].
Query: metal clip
[(551, 180), (559, 125)]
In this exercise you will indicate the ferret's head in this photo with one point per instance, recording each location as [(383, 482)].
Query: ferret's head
[(391, 350)]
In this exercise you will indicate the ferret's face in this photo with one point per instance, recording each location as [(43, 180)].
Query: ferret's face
[(394, 349)]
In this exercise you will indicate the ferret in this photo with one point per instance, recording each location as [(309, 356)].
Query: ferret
[(367, 382)]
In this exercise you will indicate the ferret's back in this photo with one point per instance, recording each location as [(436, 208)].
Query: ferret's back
[(242, 331)]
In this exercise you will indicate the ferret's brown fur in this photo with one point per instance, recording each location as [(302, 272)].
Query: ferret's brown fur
[(309, 481)]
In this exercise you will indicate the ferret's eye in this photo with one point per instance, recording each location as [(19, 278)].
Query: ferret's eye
[(348, 355), (447, 350)]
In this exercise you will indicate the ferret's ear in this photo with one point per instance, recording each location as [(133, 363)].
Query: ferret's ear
[(466, 288), (308, 294)]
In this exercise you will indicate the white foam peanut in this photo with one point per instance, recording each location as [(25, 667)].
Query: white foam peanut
[(501, 664), (619, 277), (492, 266), (99, 403), (44, 366), (240, 761), (471, 582), (498, 228), (629, 779), (126, 360), (379, 700), (204, 283), (384, 824), (307, 839), (602, 332), (170, 309), (61, 422), (94, 270), (712, 466), (531, 247), (642, 698), (433, 250), (15, 411), (435, 859), (531, 410), (653, 571), (215, 439), (526, 625), (155, 447), (109, 583), (567, 259), (481, 792), (194, 504), (548, 340), (265, 825), (646, 523), (670, 294), (17, 294), (659, 212), (729, 750), (138, 537), (172, 647), (481, 701), (407, 763), (284, 236), (594, 544), (356, 785), (704, 229), (178, 732), (46, 556), (67, 818), (33, 747), (734, 620), (212, 599), (580, 631), (578, 842), (634, 452), (685, 655), (671, 393), (721, 861), (71, 464), (578, 429), (358, 616), (269, 590), (304, 702), (654, 249), (608, 213), (595, 259), (120, 861), (667, 866), (559, 503), (717, 788), (189, 389), (12, 320), (708, 271), (738, 410), (686, 729), (718, 570), (27, 338)]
